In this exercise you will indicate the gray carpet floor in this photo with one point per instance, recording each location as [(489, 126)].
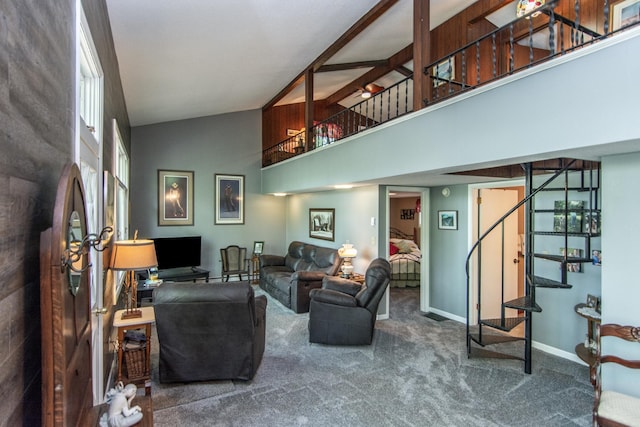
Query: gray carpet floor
[(416, 373)]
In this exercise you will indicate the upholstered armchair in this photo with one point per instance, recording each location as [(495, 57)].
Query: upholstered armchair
[(343, 312), (234, 261), (613, 408), (209, 332)]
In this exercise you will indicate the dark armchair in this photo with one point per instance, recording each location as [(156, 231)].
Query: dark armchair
[(343, 312), (209, 332)]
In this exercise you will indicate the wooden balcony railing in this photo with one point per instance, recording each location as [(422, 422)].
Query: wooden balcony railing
[(523, 43)]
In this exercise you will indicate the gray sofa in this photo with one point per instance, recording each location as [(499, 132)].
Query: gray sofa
[(290, 278)]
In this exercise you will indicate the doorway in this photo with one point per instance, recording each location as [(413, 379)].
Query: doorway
[(502, 273), (407, 211)]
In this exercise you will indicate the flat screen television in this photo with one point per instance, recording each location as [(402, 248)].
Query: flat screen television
[(175, 252)]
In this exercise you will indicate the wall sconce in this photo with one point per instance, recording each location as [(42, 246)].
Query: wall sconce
[(347, 252), (131, 255), (71, 257)]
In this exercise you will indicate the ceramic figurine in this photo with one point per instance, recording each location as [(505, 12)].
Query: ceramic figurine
[(121, 414)]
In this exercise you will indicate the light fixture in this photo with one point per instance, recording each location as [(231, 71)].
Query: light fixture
[(343, 186), (279, 194), (446, 192), (131, 255), (526, 6), (365, 94), (347, 252)]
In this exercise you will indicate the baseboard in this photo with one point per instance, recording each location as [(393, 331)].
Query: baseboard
[(537, 345)]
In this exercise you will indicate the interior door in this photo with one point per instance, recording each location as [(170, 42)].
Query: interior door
[(498, 252), (92, 180)]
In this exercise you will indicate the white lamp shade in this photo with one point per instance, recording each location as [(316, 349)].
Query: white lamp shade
[(133, 255), (347, 251)]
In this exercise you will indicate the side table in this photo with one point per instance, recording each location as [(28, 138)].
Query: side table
[(123, 325), (255, 270)]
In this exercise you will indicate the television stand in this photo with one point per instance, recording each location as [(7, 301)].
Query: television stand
[(181, 274)]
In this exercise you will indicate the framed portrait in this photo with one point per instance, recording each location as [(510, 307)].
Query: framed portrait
[(229, 199), (175, 197), (624, 13), (257, 247), (448, 220), (445, 71), (322, 223)]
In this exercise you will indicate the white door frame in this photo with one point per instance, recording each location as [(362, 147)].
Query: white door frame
[(424, 221), (520, 182)]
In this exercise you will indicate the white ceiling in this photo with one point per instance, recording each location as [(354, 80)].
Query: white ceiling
[(181, 59)]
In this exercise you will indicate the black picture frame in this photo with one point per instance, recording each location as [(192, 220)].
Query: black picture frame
[(258, 246), (322, 223)]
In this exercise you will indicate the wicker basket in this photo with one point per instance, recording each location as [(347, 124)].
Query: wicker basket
[(135, 362)]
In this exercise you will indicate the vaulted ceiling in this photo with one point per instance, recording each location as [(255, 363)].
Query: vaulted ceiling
[(181, 59)]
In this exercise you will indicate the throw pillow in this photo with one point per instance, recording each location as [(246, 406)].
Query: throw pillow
[(404, 247), (393, 249)]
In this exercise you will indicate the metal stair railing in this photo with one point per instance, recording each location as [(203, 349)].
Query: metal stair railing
[(478, 246)]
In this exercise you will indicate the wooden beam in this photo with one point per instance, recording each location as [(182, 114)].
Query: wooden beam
[(377, 11), (352, 65), (404, 71), (294, 84), (394, 62), (308, 107), (421, 52)]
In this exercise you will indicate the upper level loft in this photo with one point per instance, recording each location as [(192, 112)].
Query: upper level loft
[(487, 41)]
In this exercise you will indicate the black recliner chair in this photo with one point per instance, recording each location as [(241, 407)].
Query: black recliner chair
[(209, 332), (343, 312)]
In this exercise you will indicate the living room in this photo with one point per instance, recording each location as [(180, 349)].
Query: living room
[(36, 149)]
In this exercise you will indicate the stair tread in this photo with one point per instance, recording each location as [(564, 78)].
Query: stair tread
[(561, 258), (562, 233), (524, 303), (489, 339), (506, 324), (543, 282)]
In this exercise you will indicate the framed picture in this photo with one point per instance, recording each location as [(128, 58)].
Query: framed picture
[(445, 71), (257, 248), (229, 199), (448, 220), (624, 13), (322, 223), (175, 197)]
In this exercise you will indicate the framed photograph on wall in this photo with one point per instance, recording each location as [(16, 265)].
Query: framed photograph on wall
[(444, 72), (448, 220), (229, 199), (624, 13), (175, 197), (322, 223)]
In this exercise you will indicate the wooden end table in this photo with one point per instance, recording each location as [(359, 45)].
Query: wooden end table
[(148, 318)]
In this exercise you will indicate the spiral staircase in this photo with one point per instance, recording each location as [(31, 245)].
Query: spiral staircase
[(574, 216)]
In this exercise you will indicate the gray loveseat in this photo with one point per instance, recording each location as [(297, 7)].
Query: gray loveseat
[(290, 278)]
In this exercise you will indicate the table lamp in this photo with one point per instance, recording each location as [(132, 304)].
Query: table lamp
[(131, 255), (346, 252)]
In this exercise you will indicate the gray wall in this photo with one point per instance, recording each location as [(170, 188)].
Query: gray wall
[(449, 250), (620, 289), (223, 144), (37, 87)]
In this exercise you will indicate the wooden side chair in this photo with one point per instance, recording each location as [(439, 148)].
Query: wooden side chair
[(234, 261), (612, 408)]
